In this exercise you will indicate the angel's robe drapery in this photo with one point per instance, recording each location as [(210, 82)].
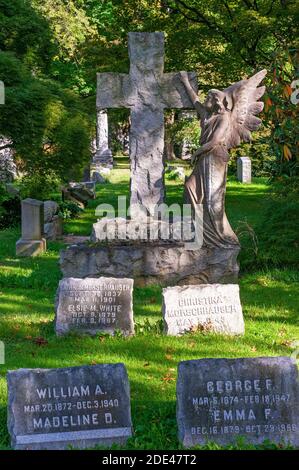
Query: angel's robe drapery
[(207, 186)]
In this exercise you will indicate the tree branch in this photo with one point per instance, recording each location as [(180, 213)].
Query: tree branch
[(271, 8), (230, 14)]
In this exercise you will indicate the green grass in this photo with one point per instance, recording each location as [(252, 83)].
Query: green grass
[(27, 289)]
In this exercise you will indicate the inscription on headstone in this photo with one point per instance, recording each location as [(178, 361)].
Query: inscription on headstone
[(94, 305), (244, 169), (221, 400), (210, 307), (77, 406)]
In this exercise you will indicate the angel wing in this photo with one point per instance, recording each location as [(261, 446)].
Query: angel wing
[(243, 99)]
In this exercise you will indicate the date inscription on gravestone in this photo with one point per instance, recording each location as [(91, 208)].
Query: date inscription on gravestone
[(76, 406), (210, 307), (94, 305), (221, 400)]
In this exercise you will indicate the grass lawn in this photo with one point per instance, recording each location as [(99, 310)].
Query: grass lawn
[(27, 289)]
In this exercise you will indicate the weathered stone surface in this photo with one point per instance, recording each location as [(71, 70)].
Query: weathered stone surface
[(30, 247), (32, 242), (147, 91), (244, 169), (54, 229), (76, 406), (103, 154), (96, 174), (221, 400), (151, 263), (80, 193), (94, 305), (8, 169), (32, 219), (50, 209), (208, 307)]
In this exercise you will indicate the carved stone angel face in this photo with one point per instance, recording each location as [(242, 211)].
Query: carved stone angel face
[(215, 101)]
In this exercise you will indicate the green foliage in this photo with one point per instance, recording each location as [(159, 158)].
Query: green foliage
[(275, 238), (49, 125), (39, 186), (69, 210), (10, 209), (186, 130), (281, 114)]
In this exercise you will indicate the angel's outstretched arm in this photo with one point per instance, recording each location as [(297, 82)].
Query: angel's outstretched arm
[(191, 93)]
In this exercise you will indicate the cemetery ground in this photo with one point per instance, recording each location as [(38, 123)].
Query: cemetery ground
[(269, 299)]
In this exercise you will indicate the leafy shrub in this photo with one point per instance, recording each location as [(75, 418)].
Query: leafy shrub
[(39, 186), (10, 209), (275, 241), (69, 210)]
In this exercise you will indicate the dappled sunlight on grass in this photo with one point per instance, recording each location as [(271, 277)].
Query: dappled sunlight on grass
[(27, 291)]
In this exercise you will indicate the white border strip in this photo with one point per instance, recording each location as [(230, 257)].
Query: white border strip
[(74, 435)]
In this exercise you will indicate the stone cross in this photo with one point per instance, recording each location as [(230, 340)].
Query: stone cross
[(103, 153), (146, 91)]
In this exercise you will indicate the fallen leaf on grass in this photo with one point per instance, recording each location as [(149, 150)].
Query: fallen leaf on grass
[(282, 331), (40, 341), (168, 378), (168, 357)]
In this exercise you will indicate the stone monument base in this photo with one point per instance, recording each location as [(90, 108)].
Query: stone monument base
[(30, 247), (151, 262)]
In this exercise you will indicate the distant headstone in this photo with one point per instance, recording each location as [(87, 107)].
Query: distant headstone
[(103, 154), (209, 307), (76, 406), (244, 169), (32, 242), (222, 400), (94, 305)]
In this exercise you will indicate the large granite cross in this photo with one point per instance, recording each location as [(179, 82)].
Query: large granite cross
[(147, 91)]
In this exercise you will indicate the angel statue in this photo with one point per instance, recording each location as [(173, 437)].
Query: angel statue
[(227, 118)]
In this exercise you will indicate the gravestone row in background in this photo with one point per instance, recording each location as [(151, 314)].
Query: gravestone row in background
[(218, 400)]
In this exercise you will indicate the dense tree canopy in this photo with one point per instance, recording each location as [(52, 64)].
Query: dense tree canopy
[(50, 51)]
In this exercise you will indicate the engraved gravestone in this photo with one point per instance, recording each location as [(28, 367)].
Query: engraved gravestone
[(210, 307), (77, 406), (94, 305), (222, 400), (244, 169)]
